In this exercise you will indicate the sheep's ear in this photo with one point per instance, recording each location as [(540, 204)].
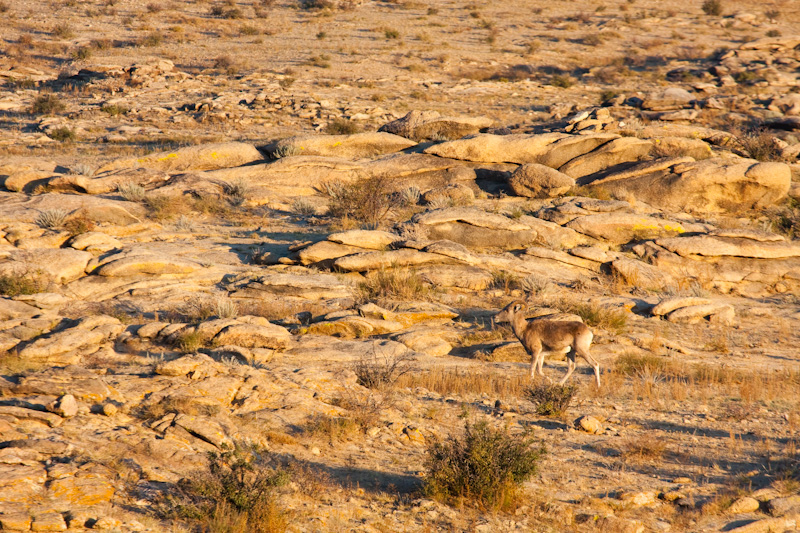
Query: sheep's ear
[(518, 308)]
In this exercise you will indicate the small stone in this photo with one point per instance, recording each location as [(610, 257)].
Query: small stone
[(784, 506), (65, 406), (682, 480), (744, 505), (589, 424), (106, 522), (639, 498), (315, 451), (109, 409)]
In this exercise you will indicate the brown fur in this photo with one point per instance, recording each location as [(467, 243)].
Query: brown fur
[(538, 336)]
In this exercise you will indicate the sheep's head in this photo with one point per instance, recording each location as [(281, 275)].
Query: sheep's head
[(510, 311)]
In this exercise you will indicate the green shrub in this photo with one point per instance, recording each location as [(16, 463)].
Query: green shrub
[(236, 493), (551, 400), (560, 80), (485, 466), (114, 109)]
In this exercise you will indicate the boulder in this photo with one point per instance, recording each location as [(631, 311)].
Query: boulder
[(61, 265), (393, 258), (668, 305), (620, 228), (713, 185), (192, 158), (456, 276), (607, 156), (370, 239), (551, 149), (313, 287), (264, 335), (355, 146), (146, 263), (325, 250), (419, 125), (691, 314), (721, 245), (639, 274), (744, 505), (23, 208), (539, 181), (474, 227), (454, 194)]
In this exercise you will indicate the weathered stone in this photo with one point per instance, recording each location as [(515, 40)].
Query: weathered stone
[(425, 342), (200, 157), (539, 181), (785, 505), (668, 305), (714, 185), (147, 264), (325, 250), (65, 406), (459, 276), (355, 146), (475, 228), (10, 309), (204, 428), (392, 258), (60, 265), (370, 239), (186, 365), (607, 156), (639, 499), (551, 149), (620, 525), (695, 313), (715, 246), (94, 241), (254, 336), (590, 424), (638, 274), (623, 227), (48, 522), (310, 286), (744, 505), (82, 489), (15, 521), (418, 125)]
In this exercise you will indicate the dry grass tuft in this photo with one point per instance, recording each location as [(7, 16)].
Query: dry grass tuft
[(644, 447)]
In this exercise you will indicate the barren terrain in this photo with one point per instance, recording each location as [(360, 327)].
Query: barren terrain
[(283, 229)]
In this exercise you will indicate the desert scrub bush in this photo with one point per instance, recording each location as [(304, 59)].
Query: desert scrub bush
[(47, 104), (78, 224), (504, 280), (51, 218), (238, 492), (368, 201), (331, 428), (485, 466), (536, 285), (303, 207), (785, 218), (563, 81), (393, 284), (377, 371), (225, 308), (63, 30), (131, 191), (317, 4), (17, 284), (760, 145), (613, 320), (341, 126), (645, 447), (237, 191), (151, 39), (551, 400), (190, 342), (62, 134), (114, 110), (712, 7), (448, 381), (162, 206)]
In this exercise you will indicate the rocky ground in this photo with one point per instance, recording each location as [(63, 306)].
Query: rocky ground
[(217, 218)]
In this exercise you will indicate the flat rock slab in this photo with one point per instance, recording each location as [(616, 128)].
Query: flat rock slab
[(61, 265), (668, 305), (418, 125), (23, 208), (200, 157), (311, 286), (393, 258), (716, 246), (370, 239), (355, 146), (539, 181), (620, 228), (150, 264), (254, 336)]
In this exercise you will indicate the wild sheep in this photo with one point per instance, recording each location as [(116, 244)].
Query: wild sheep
[(551, 335)]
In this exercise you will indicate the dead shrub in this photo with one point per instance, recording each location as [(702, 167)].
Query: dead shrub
[(368, 201), (393, 284), (376, 371), (551, 400)]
